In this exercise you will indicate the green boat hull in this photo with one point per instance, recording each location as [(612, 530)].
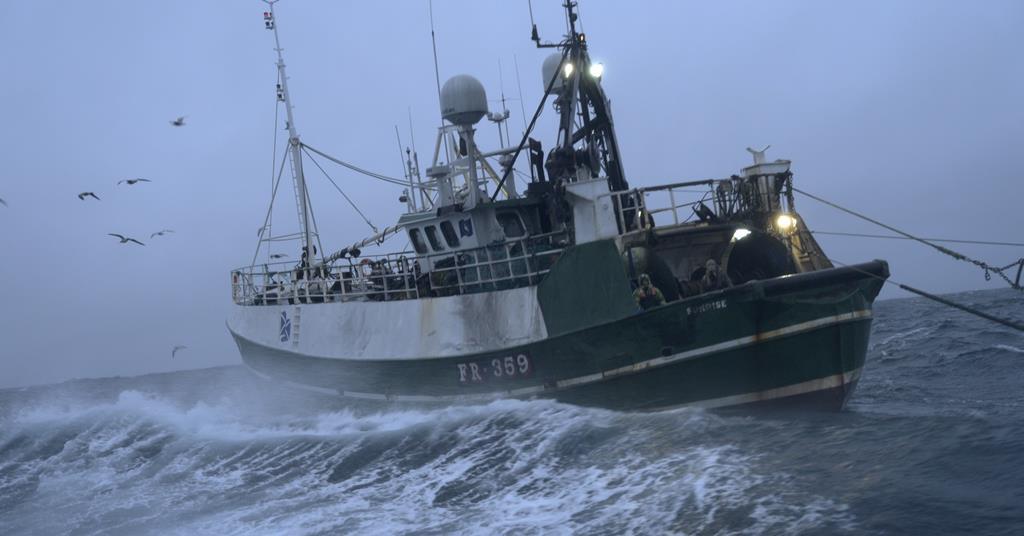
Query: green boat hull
[(794, 339)]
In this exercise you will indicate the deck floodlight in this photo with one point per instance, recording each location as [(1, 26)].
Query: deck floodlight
[(785, 223), (740, 234), (567, 70), (596, 70)]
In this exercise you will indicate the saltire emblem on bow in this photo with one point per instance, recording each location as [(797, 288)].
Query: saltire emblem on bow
[(286, 327)]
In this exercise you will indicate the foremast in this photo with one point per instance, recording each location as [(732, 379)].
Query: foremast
[(294, 143)]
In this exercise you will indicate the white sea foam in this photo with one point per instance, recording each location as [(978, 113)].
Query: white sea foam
[(147, 464)]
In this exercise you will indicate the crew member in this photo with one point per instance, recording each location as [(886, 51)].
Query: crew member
[(714, 277), (648, 295)]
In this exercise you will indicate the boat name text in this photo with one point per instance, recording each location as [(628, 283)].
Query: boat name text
[(705, 307)]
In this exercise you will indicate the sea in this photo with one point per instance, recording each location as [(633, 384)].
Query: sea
[(932, 442)]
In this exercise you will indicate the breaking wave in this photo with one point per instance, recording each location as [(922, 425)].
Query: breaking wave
[(146, 464)]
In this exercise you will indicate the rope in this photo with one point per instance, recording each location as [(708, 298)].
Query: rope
[(949, 303), (357, 169), (982, 242), (956, 255), (981, 314), (336, 187)]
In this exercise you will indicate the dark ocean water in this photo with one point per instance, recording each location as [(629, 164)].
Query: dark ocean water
[(932, 443)]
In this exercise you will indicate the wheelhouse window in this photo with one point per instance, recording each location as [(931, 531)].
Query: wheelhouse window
[(417, 241), (511, 224), (450, 236), (432, 237)]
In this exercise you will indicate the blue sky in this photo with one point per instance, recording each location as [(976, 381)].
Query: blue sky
[(909, 111)]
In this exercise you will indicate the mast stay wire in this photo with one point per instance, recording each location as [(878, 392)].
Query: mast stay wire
[(989, 269), (273, 182), (343, 194), (953, 240), (273, 196), (357, 169), (311, 255)]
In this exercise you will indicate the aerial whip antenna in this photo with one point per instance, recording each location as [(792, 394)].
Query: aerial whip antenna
[(437, 71)]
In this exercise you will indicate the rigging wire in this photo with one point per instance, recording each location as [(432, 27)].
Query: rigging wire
[(311, 255), (277, 117), (347, 198), (939, 299), (928, 295), (522, 107), (273, 196), (980, 242), (989, 269), (529, 128), (355, 168)]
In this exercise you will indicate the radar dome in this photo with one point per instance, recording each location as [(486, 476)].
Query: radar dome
[(548, 70), (463, 100)]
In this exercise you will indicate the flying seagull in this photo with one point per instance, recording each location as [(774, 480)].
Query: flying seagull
[(2, 202), (83, 195), (179, 122), (161, 233), (125, 239), (176, 348), (278, 255), (133, 181)]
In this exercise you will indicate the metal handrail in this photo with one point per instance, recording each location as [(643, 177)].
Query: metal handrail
[(634, 206), (398, 276)]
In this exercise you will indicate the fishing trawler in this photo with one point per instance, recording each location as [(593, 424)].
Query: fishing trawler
[(550, 292)]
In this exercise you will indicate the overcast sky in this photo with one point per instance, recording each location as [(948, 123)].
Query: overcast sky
[(910, 111)]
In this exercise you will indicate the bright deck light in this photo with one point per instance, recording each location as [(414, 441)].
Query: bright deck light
[(596, 70), (567, 70), (785, 223), (740, 234)]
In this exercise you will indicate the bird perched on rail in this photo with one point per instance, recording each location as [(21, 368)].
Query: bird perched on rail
[(133, 181), (125, 239), (176, 349), (179, 122), (83, 195), (161, 233)]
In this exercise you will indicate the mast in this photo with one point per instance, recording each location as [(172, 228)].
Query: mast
[(295, 146), (585, 113)]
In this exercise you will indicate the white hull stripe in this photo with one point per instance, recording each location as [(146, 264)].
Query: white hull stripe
[(810, 386), (827, 382)]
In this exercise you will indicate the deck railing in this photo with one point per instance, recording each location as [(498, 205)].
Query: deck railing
[(666, 204), (398, 276)]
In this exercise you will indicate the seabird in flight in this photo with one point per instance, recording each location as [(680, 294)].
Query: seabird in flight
[(176, 348), (125, 239), (83, 195), (161, 233), (133, 181), (179, 122)]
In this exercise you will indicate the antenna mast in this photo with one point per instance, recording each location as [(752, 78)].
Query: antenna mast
[(294, 145)]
